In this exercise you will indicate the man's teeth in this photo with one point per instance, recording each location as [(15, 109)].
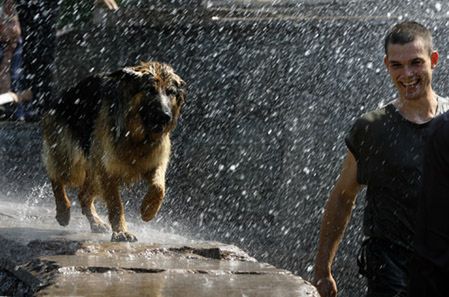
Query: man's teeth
[(409, 84)]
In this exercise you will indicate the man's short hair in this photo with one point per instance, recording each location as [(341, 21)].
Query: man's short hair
[(406, 32)]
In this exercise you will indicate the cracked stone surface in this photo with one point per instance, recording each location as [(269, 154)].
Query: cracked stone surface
[(36, 260)]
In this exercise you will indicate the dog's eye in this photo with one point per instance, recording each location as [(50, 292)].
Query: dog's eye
[(171, 91), (151, 90)]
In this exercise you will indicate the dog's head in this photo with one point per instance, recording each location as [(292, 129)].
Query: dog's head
[(150, 100)]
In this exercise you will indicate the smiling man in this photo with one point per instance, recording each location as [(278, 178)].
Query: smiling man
[(385, 150)]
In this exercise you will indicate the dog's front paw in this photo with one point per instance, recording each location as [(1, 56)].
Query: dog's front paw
[(151, 204), (123, 236), (100, 228), (63, 216)]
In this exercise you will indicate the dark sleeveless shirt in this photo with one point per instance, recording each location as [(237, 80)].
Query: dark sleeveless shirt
[(432, 222), (389, 154)]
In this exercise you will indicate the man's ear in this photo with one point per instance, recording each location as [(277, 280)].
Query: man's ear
[(434, 56), (386, 61)]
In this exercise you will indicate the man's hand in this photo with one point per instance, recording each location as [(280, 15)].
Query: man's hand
[(326, 286), (110, 4)]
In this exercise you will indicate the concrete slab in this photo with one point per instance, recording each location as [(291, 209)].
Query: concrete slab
[(39, 258), (178, 284)]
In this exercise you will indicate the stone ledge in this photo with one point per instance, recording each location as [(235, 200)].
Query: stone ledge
[(36, 260), (111, 269)]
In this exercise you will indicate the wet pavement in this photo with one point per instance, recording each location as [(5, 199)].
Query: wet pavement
[(39, 258)]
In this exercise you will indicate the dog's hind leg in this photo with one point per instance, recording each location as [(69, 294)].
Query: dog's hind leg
[(62, 203), (152, 201), (110, 189), (86, 197)]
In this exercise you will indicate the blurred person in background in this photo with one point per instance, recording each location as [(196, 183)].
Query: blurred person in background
[(10, 66), (38, 22)]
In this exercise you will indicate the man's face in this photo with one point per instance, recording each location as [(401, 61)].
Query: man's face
[(410, 66)]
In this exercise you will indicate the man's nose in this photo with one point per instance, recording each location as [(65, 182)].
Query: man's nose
[(408, 70)]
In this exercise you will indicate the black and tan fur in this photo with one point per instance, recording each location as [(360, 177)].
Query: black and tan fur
[(109, 130)]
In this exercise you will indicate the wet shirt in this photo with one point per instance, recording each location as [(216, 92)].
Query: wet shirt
[(389, 154), (432, 224)]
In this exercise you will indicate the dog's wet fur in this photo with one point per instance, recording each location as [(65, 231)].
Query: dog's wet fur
[(108, 130)]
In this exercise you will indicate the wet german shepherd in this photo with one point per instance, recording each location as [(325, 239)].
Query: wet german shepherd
[(109, 130)]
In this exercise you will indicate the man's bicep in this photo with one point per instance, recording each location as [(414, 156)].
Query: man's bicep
[(347, 185)]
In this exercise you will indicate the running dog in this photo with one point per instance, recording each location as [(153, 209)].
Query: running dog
[(109, 130)]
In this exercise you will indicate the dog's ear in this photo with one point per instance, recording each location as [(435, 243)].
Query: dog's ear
[(117, 108), (126, 73), (129, 77), (123, 84), (182, 92), (130, 80)]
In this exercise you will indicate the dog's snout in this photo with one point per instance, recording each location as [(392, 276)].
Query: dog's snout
[(164, 111), (165, 117), (157, 116)]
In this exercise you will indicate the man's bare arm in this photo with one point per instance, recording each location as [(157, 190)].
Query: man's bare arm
[(336, 216)]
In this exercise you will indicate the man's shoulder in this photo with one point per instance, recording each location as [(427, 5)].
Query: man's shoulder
[(441, 121), (376, 115), (374, 120)]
